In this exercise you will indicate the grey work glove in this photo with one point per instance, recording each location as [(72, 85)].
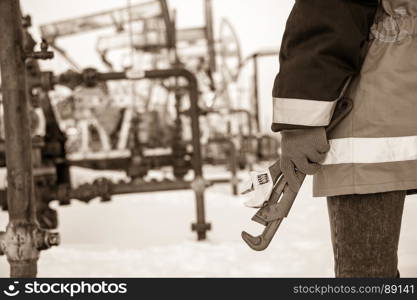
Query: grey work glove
[(302, 150)]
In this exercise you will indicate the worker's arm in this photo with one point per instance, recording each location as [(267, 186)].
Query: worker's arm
[(322, 48)]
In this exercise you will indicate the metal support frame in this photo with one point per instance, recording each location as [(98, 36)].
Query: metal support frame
[(199, 184), (23, 239)]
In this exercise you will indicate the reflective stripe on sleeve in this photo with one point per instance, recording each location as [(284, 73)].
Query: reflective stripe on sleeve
[(303, 112), (371, 150)]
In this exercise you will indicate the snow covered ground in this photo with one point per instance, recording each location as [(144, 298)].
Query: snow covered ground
[(148, 235)]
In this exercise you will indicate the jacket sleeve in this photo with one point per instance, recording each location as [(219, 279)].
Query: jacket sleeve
[(322, 48)]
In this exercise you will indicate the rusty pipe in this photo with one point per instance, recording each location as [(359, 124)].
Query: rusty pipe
[(20, 196), (23, 239), (16, 113)]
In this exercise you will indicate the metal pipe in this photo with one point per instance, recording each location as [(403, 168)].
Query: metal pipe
[(169, 24), (210, 36), (250, 133), (256, 95), (192, 88), (23, 253), (23, 239), (199, 184)]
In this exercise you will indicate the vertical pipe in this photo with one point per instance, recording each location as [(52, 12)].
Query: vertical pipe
[(233, 159), (256, 96), (210, 36), (233, 168), (169, 24), (249, 121), (199, 184), (20, 193)]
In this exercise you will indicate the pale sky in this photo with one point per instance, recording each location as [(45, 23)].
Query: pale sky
[(259, 24)]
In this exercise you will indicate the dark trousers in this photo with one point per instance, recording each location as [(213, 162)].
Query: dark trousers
[(365, 234)]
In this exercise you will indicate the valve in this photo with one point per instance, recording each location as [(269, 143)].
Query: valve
[(89, 76), (27, 21), (47, 239), (23, 241), (44, 54)]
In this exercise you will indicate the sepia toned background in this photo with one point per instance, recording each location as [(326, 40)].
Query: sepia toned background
[(149, 235)]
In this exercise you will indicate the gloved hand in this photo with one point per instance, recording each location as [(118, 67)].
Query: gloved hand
[(302, 150)]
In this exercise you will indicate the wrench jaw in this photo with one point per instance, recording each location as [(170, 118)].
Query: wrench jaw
[(261, 242), (271, 215), (256, 243)]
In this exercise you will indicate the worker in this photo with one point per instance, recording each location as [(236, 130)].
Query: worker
[(363, 50)]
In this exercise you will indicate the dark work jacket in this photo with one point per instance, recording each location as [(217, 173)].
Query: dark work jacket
[(323, 46)]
